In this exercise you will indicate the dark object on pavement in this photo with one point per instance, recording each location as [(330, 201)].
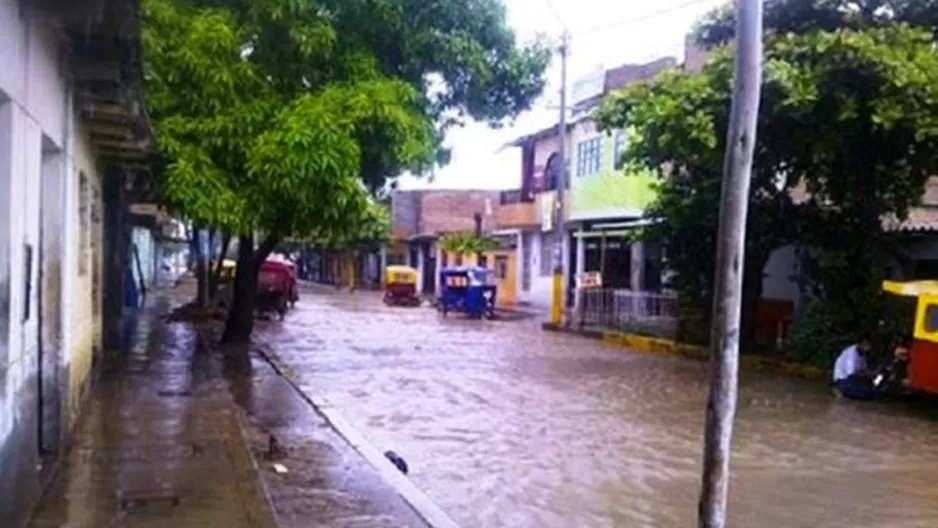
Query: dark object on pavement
[(274, 450), (396, 459)]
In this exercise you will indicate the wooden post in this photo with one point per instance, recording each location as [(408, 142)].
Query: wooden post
[(734, 198)]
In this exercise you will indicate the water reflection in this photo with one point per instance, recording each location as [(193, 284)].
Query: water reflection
[(506, 425)]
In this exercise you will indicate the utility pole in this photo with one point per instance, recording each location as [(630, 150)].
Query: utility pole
[(557, 289), (477, 218), (734, 201)]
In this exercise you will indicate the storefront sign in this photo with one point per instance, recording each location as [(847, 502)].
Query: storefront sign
[(589, 280)]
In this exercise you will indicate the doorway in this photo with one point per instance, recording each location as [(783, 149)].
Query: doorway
[(429, 269), (49, 261)]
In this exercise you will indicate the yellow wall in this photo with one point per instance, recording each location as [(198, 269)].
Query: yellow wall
[(83, 324)]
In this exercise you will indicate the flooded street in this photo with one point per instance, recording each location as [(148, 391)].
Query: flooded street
[(505, 425)]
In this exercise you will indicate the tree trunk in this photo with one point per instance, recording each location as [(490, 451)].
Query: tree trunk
[(240, 323), (731, 245), (193, 247), (216, 273), (352, 266), (337, 270), (201, 269)]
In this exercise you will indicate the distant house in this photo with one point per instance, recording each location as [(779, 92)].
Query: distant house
[(603, 201), (420, 218)]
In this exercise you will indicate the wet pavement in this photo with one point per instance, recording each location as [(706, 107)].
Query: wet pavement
[(167, 441), (160, 443), (505, 425), (326, 483)]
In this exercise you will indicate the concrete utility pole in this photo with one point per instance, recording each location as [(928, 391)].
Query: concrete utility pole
[(734, 200), (557, 289)]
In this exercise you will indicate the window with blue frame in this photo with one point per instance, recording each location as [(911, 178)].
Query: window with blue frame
[(589, 155), (618, 150)]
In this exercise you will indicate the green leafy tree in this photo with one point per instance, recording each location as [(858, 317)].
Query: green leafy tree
[(467, 243), (850, 114), (278, 116), (803, 16)]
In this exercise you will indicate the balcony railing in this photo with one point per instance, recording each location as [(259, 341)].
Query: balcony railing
[(515, 196)]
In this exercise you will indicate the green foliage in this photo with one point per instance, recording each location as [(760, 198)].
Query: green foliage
[(815, 336), (850, 114), (648, 329), (466, 243), (803, 16), (281, 115), (372, 233)]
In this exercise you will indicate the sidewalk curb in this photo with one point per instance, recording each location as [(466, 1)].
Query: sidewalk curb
[(428, 510), (657, 345)]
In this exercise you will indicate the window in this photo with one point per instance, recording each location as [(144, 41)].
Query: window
[(95, 245), (931, 318), (589, 155), (618, 150), (28, 281), (84, 229), (547, 254), (553, 172)]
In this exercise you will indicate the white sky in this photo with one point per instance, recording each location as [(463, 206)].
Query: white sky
[(601, 37)]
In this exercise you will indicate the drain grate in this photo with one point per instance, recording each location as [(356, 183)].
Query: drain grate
[(128, 501)]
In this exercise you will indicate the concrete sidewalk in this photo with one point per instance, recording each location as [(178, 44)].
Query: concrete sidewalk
[(167, 441), (160, 443), (328, 482)]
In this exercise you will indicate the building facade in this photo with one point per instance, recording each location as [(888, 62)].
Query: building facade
[(420, 217), (63, 71), (603, 200)]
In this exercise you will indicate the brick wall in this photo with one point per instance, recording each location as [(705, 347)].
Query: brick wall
[(694, 57), (619, 77), (447, 211), (405, 213)]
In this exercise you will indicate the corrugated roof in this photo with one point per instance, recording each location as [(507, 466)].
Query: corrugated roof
[(920, 220)]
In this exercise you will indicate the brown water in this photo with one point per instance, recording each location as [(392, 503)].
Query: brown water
[(505, 425)]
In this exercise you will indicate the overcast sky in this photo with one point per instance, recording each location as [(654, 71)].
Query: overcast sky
[(602, 36)]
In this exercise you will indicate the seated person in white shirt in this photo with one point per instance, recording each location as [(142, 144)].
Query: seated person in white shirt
[(851, 377)]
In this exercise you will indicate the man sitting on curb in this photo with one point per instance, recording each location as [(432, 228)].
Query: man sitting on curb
[(851, 377)]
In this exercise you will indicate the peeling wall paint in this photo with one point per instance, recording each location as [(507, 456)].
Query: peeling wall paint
[(42, 144)]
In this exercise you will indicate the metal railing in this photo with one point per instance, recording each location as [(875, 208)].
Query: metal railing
[(638, 311)]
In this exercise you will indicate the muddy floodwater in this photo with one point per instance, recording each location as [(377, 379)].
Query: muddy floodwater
[(505, 425)]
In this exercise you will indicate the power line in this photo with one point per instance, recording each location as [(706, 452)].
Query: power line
[(640, 18), (556, 13)]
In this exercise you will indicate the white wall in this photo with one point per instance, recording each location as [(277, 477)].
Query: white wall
[(36, 113), (778, 283), (540, 293)]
